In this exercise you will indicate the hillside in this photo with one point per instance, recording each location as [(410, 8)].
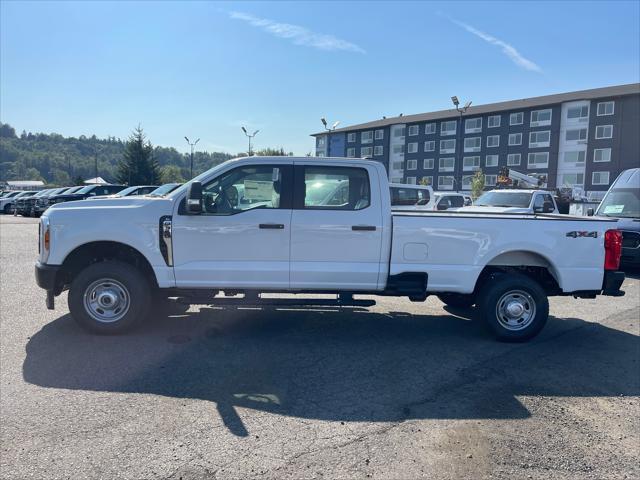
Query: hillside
[(60, 160)]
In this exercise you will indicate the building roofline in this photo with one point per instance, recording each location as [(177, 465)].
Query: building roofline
[(611, 91)]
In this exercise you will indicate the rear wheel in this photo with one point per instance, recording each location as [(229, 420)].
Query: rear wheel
[(109, 297), (514, 306), (8, 209), (458, 300)]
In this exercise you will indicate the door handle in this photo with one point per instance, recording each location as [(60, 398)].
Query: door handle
[(363, 228), (272, 226)]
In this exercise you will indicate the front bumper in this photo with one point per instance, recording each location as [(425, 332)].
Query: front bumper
[(46, 277), (612, 283)]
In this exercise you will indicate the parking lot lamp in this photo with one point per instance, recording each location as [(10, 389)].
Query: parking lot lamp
[(459, 136), (192, 145)]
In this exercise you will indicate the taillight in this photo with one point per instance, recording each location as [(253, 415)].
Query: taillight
[(612, 249)]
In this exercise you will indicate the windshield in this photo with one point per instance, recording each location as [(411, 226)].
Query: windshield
[(504, 199), (73, 189), (126, 191), (164, 189), (86, 189), (621, 203)]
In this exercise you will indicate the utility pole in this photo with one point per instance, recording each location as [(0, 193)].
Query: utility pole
[(95, 161), (249, 137), (329, 130), (459, 146), (192, 145)]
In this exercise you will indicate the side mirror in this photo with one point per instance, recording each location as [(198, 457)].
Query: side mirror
[(590, 212), (547, 207), (193, 202)]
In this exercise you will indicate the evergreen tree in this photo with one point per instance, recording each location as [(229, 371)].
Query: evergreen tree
[(138, 166)]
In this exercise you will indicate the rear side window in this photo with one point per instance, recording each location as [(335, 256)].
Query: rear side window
[(409, 196), (456, 201), (332, 188)]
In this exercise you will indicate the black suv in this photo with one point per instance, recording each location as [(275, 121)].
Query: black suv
[(88, 192)]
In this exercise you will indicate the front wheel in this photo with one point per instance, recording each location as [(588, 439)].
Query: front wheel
[(514, 306), (7, 209), (109, 297)]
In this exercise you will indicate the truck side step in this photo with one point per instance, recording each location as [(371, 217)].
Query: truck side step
[(255, 300)]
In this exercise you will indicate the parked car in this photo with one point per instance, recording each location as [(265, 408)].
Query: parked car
[(118, 257), (21, 203), (62, 196), (42, 202), (131, 191), (27, 204), (622, 201), (7, 202), (468, 201), (405, 196), (163, 190), (514, 201), (446, 201), (89, 191)]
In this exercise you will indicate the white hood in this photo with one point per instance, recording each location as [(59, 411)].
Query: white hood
[(481, 209)]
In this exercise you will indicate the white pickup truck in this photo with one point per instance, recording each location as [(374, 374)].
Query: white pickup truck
[(253, 225), (514, 201)]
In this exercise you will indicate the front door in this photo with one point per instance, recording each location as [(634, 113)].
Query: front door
[(242, 237), (336, 229)]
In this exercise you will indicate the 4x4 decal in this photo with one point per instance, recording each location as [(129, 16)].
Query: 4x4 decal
[(576, 234)]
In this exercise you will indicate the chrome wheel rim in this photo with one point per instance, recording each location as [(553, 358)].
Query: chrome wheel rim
[(515, 310), (106, 300)]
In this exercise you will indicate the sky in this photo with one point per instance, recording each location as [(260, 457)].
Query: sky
[(205, 69)]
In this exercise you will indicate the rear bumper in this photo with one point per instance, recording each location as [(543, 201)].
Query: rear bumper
[(612, 283), (46, 275)]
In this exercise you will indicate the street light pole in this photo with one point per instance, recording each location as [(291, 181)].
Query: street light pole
[(249, 137), (329, 130), (192, 145), (460, 146)]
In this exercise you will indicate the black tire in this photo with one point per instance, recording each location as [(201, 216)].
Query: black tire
[(7, 209), (458, 300), (522, 292), (111, 277)]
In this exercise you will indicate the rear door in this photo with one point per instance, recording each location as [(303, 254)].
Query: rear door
[(336, 228)]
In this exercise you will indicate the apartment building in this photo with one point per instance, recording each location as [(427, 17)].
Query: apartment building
[(583, 138)]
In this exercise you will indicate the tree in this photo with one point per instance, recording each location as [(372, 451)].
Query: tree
[(7, 131), (425, 182), (477, 184), (32, 174), (138, 165), (172, 174), (78, 180)]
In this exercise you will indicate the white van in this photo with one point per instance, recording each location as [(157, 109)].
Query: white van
[(622, 201)]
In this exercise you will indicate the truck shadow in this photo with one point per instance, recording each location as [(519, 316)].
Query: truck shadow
[(335, 365)]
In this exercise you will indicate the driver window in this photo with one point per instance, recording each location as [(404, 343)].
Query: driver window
[(242, 189)]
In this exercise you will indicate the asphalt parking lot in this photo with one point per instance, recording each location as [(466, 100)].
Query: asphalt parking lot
[(400, 390)]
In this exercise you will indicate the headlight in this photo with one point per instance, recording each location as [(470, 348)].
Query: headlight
[(45, 238)]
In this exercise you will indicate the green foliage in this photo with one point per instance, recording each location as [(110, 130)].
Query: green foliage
[(425, 182), (477, 184), (138, 165), (172, 174), (273, 152)]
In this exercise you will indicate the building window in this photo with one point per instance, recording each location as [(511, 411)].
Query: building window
[(513, 159), (490, 180), (427, 181), (397, 165), (471, 163), (430, 146), (448, 128), (378, 150), (540, 118), (395, 180), (576, 134), (411, 180), (605, 108), (466, 182), (472, 144), (576, 157), (473, 125), (412, 147), (572, 179), (600, 178), (351, 152), (539, 139), (602, 155), (413, 130), (578, 112), (538, 160), (412, 164), (321, 141), (493, 141), (516, 118), (379, 134), (427, 164), (351, 137), (446, 164), (366, 137), (445, 183), (604, 131), (430, 128), (366, 152), (491, 161), (515, 139), (399, 132), (493, 121), (447, 146)]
